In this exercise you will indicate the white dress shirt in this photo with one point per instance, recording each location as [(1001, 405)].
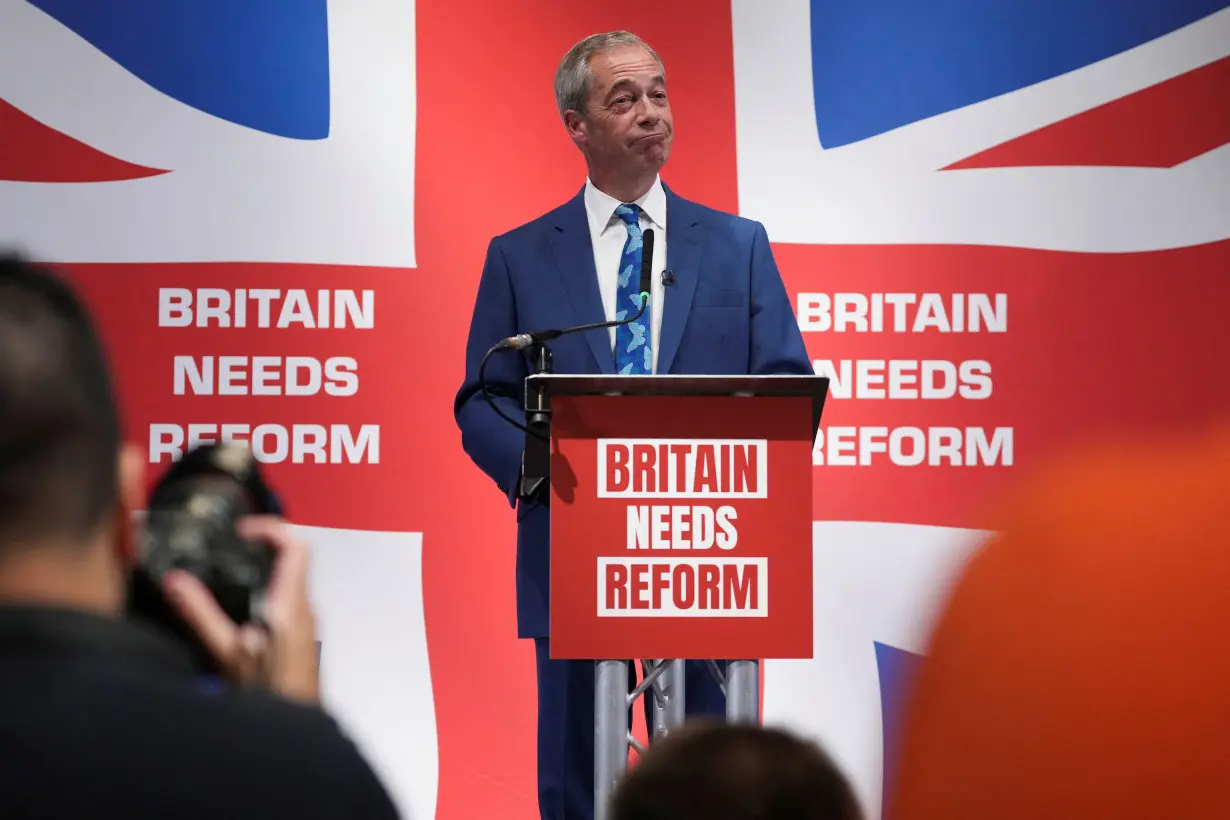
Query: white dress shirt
[(608, 233)]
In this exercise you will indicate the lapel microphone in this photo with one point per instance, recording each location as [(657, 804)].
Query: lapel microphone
[(668, 278)]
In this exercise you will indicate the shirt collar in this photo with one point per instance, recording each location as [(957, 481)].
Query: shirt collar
[(600, 207)]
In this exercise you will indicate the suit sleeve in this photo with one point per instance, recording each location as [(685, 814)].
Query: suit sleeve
[(777, 342), (491, 442)]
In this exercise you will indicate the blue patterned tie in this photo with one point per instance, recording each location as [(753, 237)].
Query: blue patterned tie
[(633, 355)]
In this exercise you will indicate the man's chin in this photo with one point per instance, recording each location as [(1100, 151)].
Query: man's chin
[(655, 156)]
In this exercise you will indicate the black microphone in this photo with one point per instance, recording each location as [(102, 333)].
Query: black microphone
[(646, 268), (668, 278), (524, 340)]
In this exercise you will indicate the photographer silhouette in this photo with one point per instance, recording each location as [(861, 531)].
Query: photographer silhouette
[(109, 711)]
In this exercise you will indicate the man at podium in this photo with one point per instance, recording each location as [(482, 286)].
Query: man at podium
[(717, 306)]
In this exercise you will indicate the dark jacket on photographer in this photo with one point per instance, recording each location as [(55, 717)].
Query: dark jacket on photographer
[(100, 717)]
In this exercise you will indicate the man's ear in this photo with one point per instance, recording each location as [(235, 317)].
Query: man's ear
[(131, 476), (577, 127)]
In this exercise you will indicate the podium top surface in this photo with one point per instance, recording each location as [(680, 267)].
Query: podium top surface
[(785, 385), (575, 384)]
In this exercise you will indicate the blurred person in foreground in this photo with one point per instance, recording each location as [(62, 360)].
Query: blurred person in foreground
[(102, 716), (1080, 669), (713, 771)]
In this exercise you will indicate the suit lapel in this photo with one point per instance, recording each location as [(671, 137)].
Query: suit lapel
[(685, 235), (574, 255)]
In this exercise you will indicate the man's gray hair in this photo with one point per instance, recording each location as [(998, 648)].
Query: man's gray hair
[(573, 77)]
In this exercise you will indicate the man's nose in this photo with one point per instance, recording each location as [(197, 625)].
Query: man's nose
[(647, 112)]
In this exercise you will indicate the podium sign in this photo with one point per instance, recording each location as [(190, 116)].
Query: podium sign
[(681, 526)]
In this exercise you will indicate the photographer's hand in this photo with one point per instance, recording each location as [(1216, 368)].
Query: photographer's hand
[(282, 655)]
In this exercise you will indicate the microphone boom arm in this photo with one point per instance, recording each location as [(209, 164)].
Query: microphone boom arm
[(523, 340), (535, 459)]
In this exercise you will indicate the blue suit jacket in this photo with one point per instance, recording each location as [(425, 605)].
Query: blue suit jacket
[(727, 314)]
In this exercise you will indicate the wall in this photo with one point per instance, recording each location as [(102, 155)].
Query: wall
[(1069, 161)]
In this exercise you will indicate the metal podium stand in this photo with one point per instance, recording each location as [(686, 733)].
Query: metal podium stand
[(663, 679), (664, 682)]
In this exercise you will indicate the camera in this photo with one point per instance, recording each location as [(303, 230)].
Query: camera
[(190, 526)]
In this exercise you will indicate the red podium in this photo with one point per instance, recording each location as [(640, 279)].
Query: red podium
[(681, 528)]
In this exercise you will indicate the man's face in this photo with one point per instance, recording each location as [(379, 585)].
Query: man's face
[(627, 126)]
